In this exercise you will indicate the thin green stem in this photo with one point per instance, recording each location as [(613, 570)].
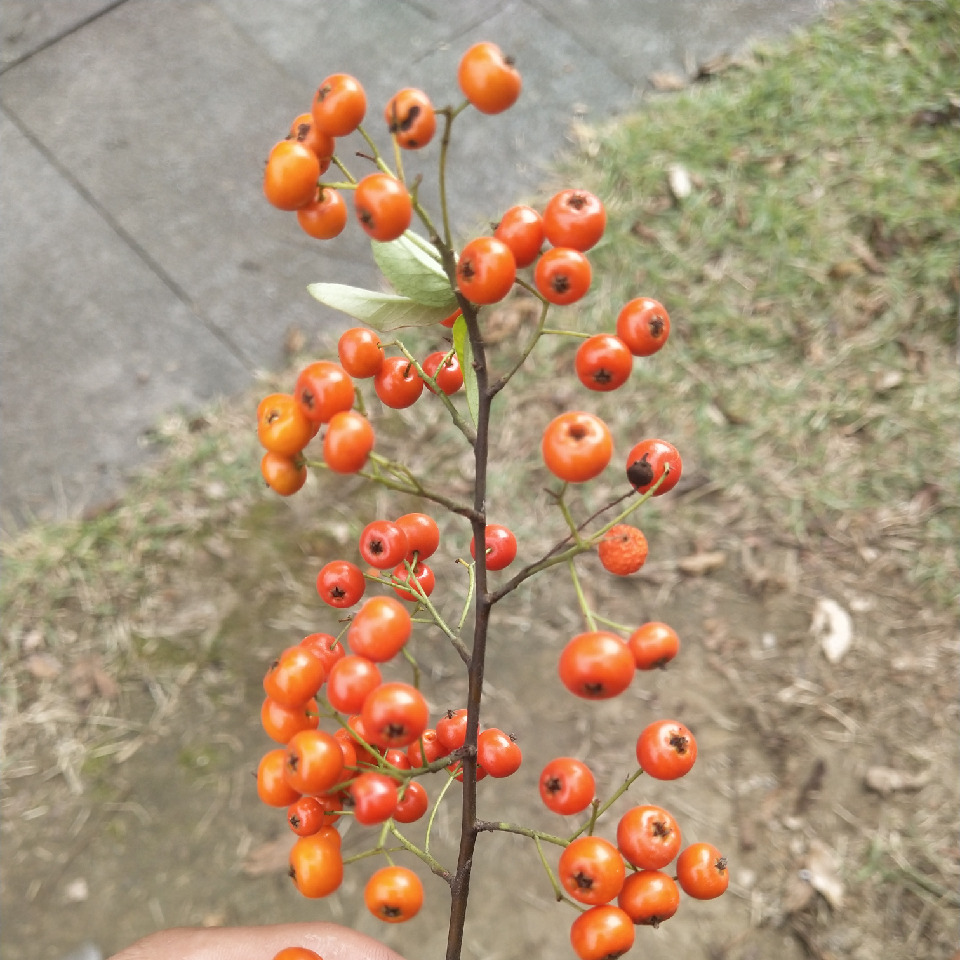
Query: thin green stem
[(434, 864), (527, 350), (449, 115), (338, 163), (410, 484), (436, 806), (532, 569), (421, 211), (359, 403), (338, 185), (594, 816), (613, 623), (471, 586), (599, 812), (458, 420), (413, 584), (557, 889), (502, 826), (581, 599), (566, 333), (557, 553), (571, 523), (412, 660), (377, 158), (373, 852), (441, 763), (398, 159), (531, 289), (381, 842)]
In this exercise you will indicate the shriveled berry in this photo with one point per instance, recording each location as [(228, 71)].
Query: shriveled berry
[(623, 550)]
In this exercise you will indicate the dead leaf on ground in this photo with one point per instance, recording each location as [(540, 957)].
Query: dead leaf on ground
[(887, 380), (77, 891), (813, 784), (798, 895), (883, 242), (833, 628), (699, 564), (667, 82), (775, 164), (585, 137), (886, 780), (925, 499), (90, 679), (759, 578), (845, 269), (643, 232), (916, 358), (937, 116), (217, 546), (866, 256), (715, 634), (273, 856), (732, 416), (822, 871), (715, 65), (679, 181), (743, 214), (43, 666)]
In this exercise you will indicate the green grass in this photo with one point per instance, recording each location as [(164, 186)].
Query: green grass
[(811, 275)]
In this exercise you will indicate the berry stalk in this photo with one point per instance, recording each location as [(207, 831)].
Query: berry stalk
[(460, 887)]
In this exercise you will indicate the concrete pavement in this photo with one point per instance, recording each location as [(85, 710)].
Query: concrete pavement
[(143, 272)]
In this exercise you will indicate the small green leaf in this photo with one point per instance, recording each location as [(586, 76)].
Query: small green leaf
[(382, 311), (461, 343), (413, 271)]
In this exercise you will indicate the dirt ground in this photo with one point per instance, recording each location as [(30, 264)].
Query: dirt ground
[(831, 786)]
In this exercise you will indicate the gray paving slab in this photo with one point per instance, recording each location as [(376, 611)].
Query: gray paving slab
[(167, 134), (28, 25), (636, 38), (150, 121), (93, 342)]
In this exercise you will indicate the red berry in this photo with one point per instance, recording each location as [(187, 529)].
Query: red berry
[(596, 665), (643, 325), (666, 749), (498, 753), (567, 786), (501, 546), (340, 583), (383, 544)]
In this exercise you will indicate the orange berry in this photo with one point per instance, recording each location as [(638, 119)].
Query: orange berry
[(623, 550)]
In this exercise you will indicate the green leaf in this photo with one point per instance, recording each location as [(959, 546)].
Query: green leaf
[(413, 271), (425, 245), (382, 311), (461, 343)]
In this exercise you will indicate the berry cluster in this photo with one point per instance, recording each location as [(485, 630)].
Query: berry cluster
[(371, 764), (355, 738)]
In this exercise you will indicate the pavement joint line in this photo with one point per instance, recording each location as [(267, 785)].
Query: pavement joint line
[(161, 274), (62, 35), (466, 27), (544, 10)]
